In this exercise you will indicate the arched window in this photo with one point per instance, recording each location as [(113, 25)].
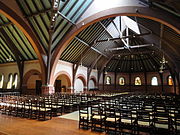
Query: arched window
[(170, 80), (10, 80), (154, 81), (137, 81), (14, 85), (121, 81), (1, 81), (108, 80)]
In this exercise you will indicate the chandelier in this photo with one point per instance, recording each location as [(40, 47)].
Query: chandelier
[(163, 63), (10, 59)]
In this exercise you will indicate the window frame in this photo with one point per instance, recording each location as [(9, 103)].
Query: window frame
[(107, 80), (124, 82), (15, 80), (1, 81), (169, 77), (10, 81), (135, 81), (155, 84)]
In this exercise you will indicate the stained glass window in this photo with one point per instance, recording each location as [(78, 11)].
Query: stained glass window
[(154, 81), (1, 81), (137, 81), (14, 86), (10, 80), (121, 81), (170, 80), (108, 80)]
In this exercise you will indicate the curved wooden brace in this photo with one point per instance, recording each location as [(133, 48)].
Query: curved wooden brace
[(16, 53), (26, 29), (102, 68), (91, 68), (145, 12)]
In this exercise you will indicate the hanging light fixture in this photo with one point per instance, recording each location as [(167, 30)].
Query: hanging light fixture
[(10, 59), (163, 63)]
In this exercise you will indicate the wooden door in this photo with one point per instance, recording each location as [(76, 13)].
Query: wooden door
[(58, 86), (38, 87)]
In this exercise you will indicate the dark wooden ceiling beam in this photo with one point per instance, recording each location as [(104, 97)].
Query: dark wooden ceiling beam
[(38, 13), (16, 53), (156, 39), (5, 24), (88, 45), (107, 31), (124, 37), (36, 22), (5, 50), (149, 13), (67, 19), (117, 66), (11, 10), (174, 7), (83, 55), (51, 29), (133, 53), (138, 41), (10, 44), (3, 55), (153, 61), (102, 67), (92, 66)]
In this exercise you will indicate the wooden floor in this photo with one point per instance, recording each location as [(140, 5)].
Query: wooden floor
[(10, 125)]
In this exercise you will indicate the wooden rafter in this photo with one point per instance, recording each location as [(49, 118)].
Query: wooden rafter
[(5, 24), (102, 67), (38, 13), (93, 48), (92, 66), (16, 53)]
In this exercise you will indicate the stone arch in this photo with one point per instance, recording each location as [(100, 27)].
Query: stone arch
[(29, 73), (67, 77), (93, 78), (26, 78), (82, 78), (80, 82)]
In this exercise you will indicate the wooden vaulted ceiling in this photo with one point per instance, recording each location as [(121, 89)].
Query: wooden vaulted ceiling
[(37, 13), (84, 48)]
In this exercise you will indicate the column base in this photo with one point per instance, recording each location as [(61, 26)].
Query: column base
[(47, 89)]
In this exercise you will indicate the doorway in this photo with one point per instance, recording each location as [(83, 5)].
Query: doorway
[(58, 86), (38, 87)]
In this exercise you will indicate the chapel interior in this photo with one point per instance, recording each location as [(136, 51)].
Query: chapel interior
[(95, 67)]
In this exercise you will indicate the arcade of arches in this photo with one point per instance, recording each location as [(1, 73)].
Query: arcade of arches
[(63, 49), (76, 67)]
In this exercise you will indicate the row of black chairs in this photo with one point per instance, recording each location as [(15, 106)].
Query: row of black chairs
[(134, 114), (42, 107)]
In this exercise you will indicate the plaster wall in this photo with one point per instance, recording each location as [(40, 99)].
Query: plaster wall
[(29, 65), (6, 69), (82, 71), (64, 66)]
